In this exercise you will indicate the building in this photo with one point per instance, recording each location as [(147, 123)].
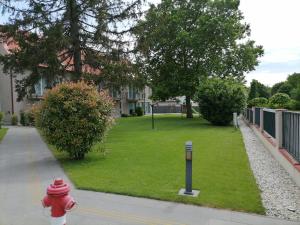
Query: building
[(129, 98), (126, 99)]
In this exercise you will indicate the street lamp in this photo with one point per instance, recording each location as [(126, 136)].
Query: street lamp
[(152, 113)]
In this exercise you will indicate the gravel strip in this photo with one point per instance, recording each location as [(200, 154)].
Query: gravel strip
[(280, 194)]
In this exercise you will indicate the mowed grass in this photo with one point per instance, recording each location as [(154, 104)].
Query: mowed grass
[(151, 163), (2, 133)]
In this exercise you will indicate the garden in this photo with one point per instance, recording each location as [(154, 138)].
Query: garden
[(139, 161)]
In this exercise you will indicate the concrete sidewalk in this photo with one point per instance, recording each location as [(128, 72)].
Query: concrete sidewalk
[(27, 167)]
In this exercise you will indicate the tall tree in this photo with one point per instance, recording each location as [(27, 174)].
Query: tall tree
[(69, 35), (286, 88), (181, 42), (257, 89)]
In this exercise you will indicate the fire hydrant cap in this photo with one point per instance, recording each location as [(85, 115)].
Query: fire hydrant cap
[(58, 188)]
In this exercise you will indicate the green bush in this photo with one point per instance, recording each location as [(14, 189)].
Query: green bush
[(27, 118), (14, 120), (1, 118), (279, 101), (293, 105), (74, 116), (139, 111), (30, 117), (23, 119), (219, 98), (258, 102)]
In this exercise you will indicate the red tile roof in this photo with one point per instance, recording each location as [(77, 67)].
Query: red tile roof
[(10, 45)]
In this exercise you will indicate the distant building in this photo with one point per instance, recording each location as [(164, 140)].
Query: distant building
[(126, 99)]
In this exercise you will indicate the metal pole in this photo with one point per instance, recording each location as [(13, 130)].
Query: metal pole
[(152, 116), (188, 159), (12, 93)]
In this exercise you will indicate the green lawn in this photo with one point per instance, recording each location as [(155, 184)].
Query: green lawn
[(150, 163), (2, 133)]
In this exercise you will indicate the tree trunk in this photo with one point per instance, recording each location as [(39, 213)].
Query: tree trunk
[(74, 28), (189, 113)]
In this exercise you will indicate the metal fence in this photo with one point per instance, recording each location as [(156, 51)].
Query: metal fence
[(269, 122), (257, 116), (251, 115), (248, 113), (291, 133)]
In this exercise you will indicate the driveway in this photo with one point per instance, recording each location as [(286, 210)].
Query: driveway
[(27, 167)]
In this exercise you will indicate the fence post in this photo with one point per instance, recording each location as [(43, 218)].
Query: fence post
[(261, 125), (278, 127), (253, 113)]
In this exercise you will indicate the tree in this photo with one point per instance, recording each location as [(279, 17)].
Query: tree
[(257, 89), (83, 36), (294, 80), (282, 87), (220, 98), (276, 87), (181, 42)]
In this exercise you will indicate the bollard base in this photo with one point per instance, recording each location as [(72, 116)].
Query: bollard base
[(194, 193)]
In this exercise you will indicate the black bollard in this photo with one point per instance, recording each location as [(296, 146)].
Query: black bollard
[(188, 172)]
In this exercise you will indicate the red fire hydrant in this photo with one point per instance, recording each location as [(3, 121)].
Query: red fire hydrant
[(60, 201)]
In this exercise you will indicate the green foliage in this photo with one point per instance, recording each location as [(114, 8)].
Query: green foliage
[(280, 101), (285, 88), (30, 117), (2, 133), (257, 89), (219, 99), (84, 36), (181, 42), (139, 111), (14, 120), (27, 118), (73, 116), (258, 102), (294, 80), (1, 118), (23, 119), (136, 155), (276, 87), (282, 87)]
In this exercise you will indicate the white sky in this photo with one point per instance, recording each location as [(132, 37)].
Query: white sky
[(275, 24)]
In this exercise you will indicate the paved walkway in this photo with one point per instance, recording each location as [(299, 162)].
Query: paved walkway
[(27, 167)]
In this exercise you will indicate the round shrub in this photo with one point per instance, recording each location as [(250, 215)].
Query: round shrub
[(279, 101), (258, 102), (139, 111), (14, 120), (73, 116), (30, 117), (23, 118), (219, 99)]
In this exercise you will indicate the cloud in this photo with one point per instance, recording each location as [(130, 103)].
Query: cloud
[(275, 25), (266, 78)]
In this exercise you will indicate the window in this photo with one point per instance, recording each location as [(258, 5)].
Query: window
[(40, 86)]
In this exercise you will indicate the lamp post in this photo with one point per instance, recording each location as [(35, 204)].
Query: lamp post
[(152, 113), (188, 190), (188, 167)]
